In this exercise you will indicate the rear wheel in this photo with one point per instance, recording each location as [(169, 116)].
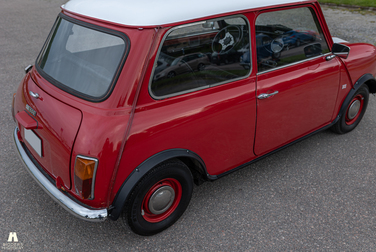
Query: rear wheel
[(354, 111), (159, 199)]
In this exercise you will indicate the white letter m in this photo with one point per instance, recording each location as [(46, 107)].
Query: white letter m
[(12, 237)]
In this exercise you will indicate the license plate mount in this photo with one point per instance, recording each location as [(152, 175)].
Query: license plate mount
[(34, 141)]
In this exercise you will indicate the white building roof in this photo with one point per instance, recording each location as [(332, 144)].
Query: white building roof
[(160, 12)]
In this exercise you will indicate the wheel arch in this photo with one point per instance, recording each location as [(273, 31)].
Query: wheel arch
[(194, 162), (367, 79), (371, 83)]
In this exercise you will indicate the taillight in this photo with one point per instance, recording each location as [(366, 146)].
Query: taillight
[(84, 176)]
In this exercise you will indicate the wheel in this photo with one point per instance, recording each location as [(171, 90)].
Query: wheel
[(354, 111), (171, 74), (201, 67), (159, 199)]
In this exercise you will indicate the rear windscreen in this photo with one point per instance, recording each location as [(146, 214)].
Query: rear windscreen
[(82, 60)]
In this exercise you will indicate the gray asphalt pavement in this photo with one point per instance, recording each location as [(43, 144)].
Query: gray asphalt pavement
[(317, 195)]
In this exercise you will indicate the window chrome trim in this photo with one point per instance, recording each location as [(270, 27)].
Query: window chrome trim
[(155, 97), (294, 63), (94, 174), (317, 23)]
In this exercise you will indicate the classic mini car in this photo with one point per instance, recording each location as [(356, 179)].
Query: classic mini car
[(106, 139)]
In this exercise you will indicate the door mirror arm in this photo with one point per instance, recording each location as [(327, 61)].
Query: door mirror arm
[(341, 50)]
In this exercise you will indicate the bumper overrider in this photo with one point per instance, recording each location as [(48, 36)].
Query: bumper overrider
[(80, 211)]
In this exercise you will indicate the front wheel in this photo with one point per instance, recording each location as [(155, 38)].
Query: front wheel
[(354, 111), (159, 199)]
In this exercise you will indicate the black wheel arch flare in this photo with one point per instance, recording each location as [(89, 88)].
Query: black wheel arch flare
[(122, 195), (367, 79)]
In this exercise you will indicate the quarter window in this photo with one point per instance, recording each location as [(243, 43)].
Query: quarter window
[(201, 55), (288, 36)]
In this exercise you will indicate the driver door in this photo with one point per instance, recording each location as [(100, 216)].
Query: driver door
[(296, 90)]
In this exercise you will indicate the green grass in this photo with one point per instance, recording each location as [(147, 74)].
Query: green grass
[(362, 3)]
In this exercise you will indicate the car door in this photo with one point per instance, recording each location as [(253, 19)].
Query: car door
[(296, 87)]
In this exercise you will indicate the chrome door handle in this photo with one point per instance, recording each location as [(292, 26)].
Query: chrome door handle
[(330, 57), (35, 95), (264, 96)]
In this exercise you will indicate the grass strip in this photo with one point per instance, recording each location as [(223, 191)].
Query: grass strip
[(360, 3)]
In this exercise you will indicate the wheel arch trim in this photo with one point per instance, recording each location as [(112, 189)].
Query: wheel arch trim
[(371, 83), (132, 180)]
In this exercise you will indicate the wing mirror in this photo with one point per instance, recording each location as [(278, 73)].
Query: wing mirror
[(313, 50), (341, 50)]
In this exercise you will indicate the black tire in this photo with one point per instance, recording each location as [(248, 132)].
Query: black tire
[(138, 211), (350, 119), (201, 67), (171, 74)]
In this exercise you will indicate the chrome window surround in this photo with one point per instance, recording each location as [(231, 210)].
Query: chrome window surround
[(300, 61), (94, 175), (203, 87), (294, 63)]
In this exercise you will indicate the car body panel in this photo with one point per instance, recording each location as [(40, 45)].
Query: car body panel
[(208, 115), (58, 124), (307, 94), (361, 60)]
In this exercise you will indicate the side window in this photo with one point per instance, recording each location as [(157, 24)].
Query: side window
[(288, 36), (201, 55)]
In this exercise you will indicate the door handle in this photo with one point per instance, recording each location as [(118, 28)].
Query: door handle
[(35, 95), (264, 96)]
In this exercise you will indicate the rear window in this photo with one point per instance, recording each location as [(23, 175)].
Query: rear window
[(201, 55), (82, 60)]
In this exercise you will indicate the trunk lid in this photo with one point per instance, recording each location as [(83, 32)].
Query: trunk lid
[(51, 140)]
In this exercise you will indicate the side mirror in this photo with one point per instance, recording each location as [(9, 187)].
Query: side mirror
[(341, 50), (313, 50)]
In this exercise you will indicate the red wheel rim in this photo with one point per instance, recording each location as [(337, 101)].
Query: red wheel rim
[(355, 109), (156, 206)]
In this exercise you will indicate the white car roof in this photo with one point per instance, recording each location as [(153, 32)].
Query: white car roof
[(160, 12)]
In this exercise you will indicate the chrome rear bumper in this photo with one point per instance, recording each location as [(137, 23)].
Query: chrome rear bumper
[(71, 206)]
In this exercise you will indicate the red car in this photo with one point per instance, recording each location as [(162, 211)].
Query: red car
[(106, 138)]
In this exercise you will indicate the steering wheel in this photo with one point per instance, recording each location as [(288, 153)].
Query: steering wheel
[(277, 45), (227, 38)]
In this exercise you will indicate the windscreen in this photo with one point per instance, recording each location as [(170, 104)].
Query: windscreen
[(81, 60)]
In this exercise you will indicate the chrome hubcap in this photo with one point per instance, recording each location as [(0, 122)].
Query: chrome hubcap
[(353, 109), (161, 200)]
